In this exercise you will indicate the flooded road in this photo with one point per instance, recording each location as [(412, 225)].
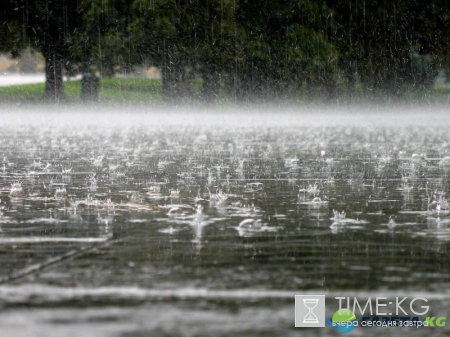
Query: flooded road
[(199, 225)]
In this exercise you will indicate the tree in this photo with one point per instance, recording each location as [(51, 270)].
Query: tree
[(431, 24), (11, 33), (391, 45), (216, 44), (253, 50), (286, 45), (157, 35), (47, 24), (101, 44), (186, 37)]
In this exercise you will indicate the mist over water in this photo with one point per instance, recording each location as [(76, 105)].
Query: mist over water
[(217, 214), (103, 115)]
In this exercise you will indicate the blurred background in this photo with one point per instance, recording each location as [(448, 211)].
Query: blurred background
[(219, 51)]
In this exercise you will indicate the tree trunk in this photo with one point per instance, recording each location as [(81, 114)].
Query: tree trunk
[(171, 84), (90, 86), (211, 84), (243, 85), (54, 89)]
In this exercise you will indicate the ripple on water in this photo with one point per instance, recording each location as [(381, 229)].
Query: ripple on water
[(178, 198)]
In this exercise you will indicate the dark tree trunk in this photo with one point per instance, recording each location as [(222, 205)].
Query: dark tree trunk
[(54, 89), (186, 77), (211, 84), (257, 83), (243, 85), (90, 86), (309, 89), (171, 84)]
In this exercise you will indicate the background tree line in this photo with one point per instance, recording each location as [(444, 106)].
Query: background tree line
[(241, 49)]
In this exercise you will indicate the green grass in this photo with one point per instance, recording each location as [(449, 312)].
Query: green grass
[(143, 90), (135, 90), (132, 84), (28, 92)]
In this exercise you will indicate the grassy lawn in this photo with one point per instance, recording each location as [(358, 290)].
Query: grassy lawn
[(143, 90), (136, 90)]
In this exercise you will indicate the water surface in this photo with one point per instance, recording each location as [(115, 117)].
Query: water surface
[(220, 216)]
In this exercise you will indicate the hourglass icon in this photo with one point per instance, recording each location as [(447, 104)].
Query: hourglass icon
[(310, 304)]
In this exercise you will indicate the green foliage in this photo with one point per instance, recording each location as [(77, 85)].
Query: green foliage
[(11, 33), (390, 45), (244, 49), (112, 90), (101, 43)]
